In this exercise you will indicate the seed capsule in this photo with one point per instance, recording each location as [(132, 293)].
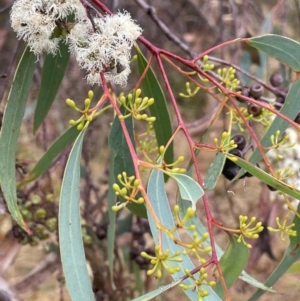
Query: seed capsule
[(256, 91), (254, 109), (276, 80)]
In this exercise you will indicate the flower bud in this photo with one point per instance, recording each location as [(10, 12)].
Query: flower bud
[(70, 103), (90, 94)]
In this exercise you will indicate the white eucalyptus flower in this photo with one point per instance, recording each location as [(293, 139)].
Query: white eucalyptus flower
[(35, 21), (105, 48)]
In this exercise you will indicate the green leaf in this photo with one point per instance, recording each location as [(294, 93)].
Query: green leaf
[(157, 292), (290, 108), (54, 150), (69, 221), (122, 157), (11, 124), (53, 72), (162, 125), (232, 264), (190, 190), (266, 178), (281, 48), (111, 231), (214, 171), (291, 254), (160, 205)]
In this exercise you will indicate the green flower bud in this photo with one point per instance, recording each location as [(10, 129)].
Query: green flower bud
[(70, 103), (151, 119), (150, 101), (90, 94), (123, 191), (140, 200), (80, 126), (87, 103), (138, 92), (116, 187)]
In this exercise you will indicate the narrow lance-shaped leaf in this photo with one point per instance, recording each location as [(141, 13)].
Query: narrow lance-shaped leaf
[(11, 124), (53, 72), (162, 125), (266, 178), (70, 236)]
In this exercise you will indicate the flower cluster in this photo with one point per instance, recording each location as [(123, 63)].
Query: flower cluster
[(35, 21), (105, 47), (100, 44)]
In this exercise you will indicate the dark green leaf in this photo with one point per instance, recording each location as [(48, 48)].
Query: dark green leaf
[(11, 124), (70, 236), (232, 264), (281, 48), (54, 150), (122, 157), (162, 125), (53, 73)]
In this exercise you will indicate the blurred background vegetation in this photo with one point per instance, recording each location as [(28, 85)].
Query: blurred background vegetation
[(29, 266)]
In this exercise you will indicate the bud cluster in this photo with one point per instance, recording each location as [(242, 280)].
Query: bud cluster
[(86, 116), (226, 144), (162, 259), (283, 228), (228, 79), (198, 283), (135, 104), (129, 190), (247, 232), (169, 168)]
